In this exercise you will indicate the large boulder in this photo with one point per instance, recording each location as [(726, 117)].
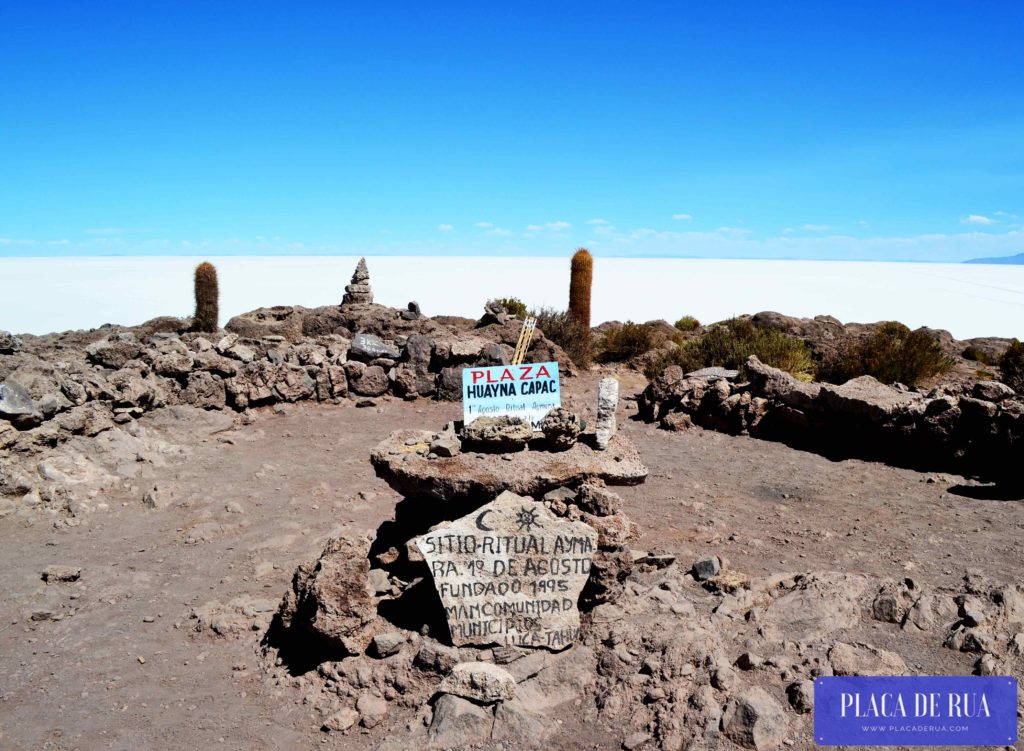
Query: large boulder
[(330, 598), (404, 461), (280, 320)]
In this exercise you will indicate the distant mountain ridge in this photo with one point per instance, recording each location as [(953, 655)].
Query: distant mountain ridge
[(1017, 259)]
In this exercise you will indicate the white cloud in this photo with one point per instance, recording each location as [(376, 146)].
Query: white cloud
[(552, 226), (816, 227), (598, 221), (499, 232), (484, 225), (734, 231), (977, 219), (445, 227), (682, 217)]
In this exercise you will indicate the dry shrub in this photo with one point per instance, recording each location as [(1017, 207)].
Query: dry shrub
[(628, 341), (892, 353), (730, 343), (513, 305), (1011, 363), (567, 333), (686, 324)]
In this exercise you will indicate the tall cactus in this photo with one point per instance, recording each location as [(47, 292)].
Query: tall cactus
[(207, 298), (579, 288)]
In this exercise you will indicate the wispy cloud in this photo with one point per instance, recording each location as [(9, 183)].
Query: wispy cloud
[(816, 227), (484, 225), (977, 219), (552, 226), (682, 217), (734, 231), (499, 232), (445, 227), (598, 221)]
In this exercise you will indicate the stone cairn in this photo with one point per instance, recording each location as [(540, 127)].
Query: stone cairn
[(472, 603), (358, 292)]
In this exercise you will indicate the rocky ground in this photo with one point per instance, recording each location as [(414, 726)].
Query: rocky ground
[(137, 622)]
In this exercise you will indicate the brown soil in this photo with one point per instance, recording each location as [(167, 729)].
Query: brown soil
[(271, 492)]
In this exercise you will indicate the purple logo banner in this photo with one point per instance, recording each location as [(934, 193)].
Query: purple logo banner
[(952, 710)]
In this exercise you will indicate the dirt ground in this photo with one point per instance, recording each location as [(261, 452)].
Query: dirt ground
[(124, 668)]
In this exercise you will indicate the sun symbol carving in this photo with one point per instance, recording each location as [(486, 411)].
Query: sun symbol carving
[(527, 519)]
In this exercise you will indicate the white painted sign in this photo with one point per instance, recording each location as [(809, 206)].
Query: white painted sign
[(529, 391)]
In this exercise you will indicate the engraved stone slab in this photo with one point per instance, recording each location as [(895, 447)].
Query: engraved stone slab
[(511, 573)]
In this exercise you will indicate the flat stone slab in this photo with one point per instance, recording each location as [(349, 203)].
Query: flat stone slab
[(401, 460), (510, 573)]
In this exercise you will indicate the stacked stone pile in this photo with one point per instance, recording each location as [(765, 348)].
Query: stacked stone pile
[(970, 429), (358, 292)]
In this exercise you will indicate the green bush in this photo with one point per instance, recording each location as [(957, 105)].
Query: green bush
[(567, 333), (513, 305), (1011, 363), (686, 324), (891, 353), (730, 343), (627, 341)]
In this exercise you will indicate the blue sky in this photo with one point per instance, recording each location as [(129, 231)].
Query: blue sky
[(875, 130)]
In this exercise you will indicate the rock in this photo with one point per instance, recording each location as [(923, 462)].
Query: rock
[(865, 396), (389, 643), (457, 722), (749, 661), (263, 323), (114, 351), (497, 434), (515, 529), (341, 720), (893, 602), (607, 403), (526, 472), (367, 347), (677, 421), (446, 446), (437, 658), (17, 406), (598, 500), (753, 719), (9, 343), (801, 696), (479, 681), (293, 383), (358, 292), (226, 342), (372, 710), (330, 598), (60, 573), (863, 659), (154, 499), (706, 568), (379, 581), (370, 381), (495, 354), (561, 429), (714, 374), (173, 364), (204, 390), (992, 391), (635, 741), (412, 311)]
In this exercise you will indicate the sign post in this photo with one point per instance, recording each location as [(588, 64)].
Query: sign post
[(528, 391)]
